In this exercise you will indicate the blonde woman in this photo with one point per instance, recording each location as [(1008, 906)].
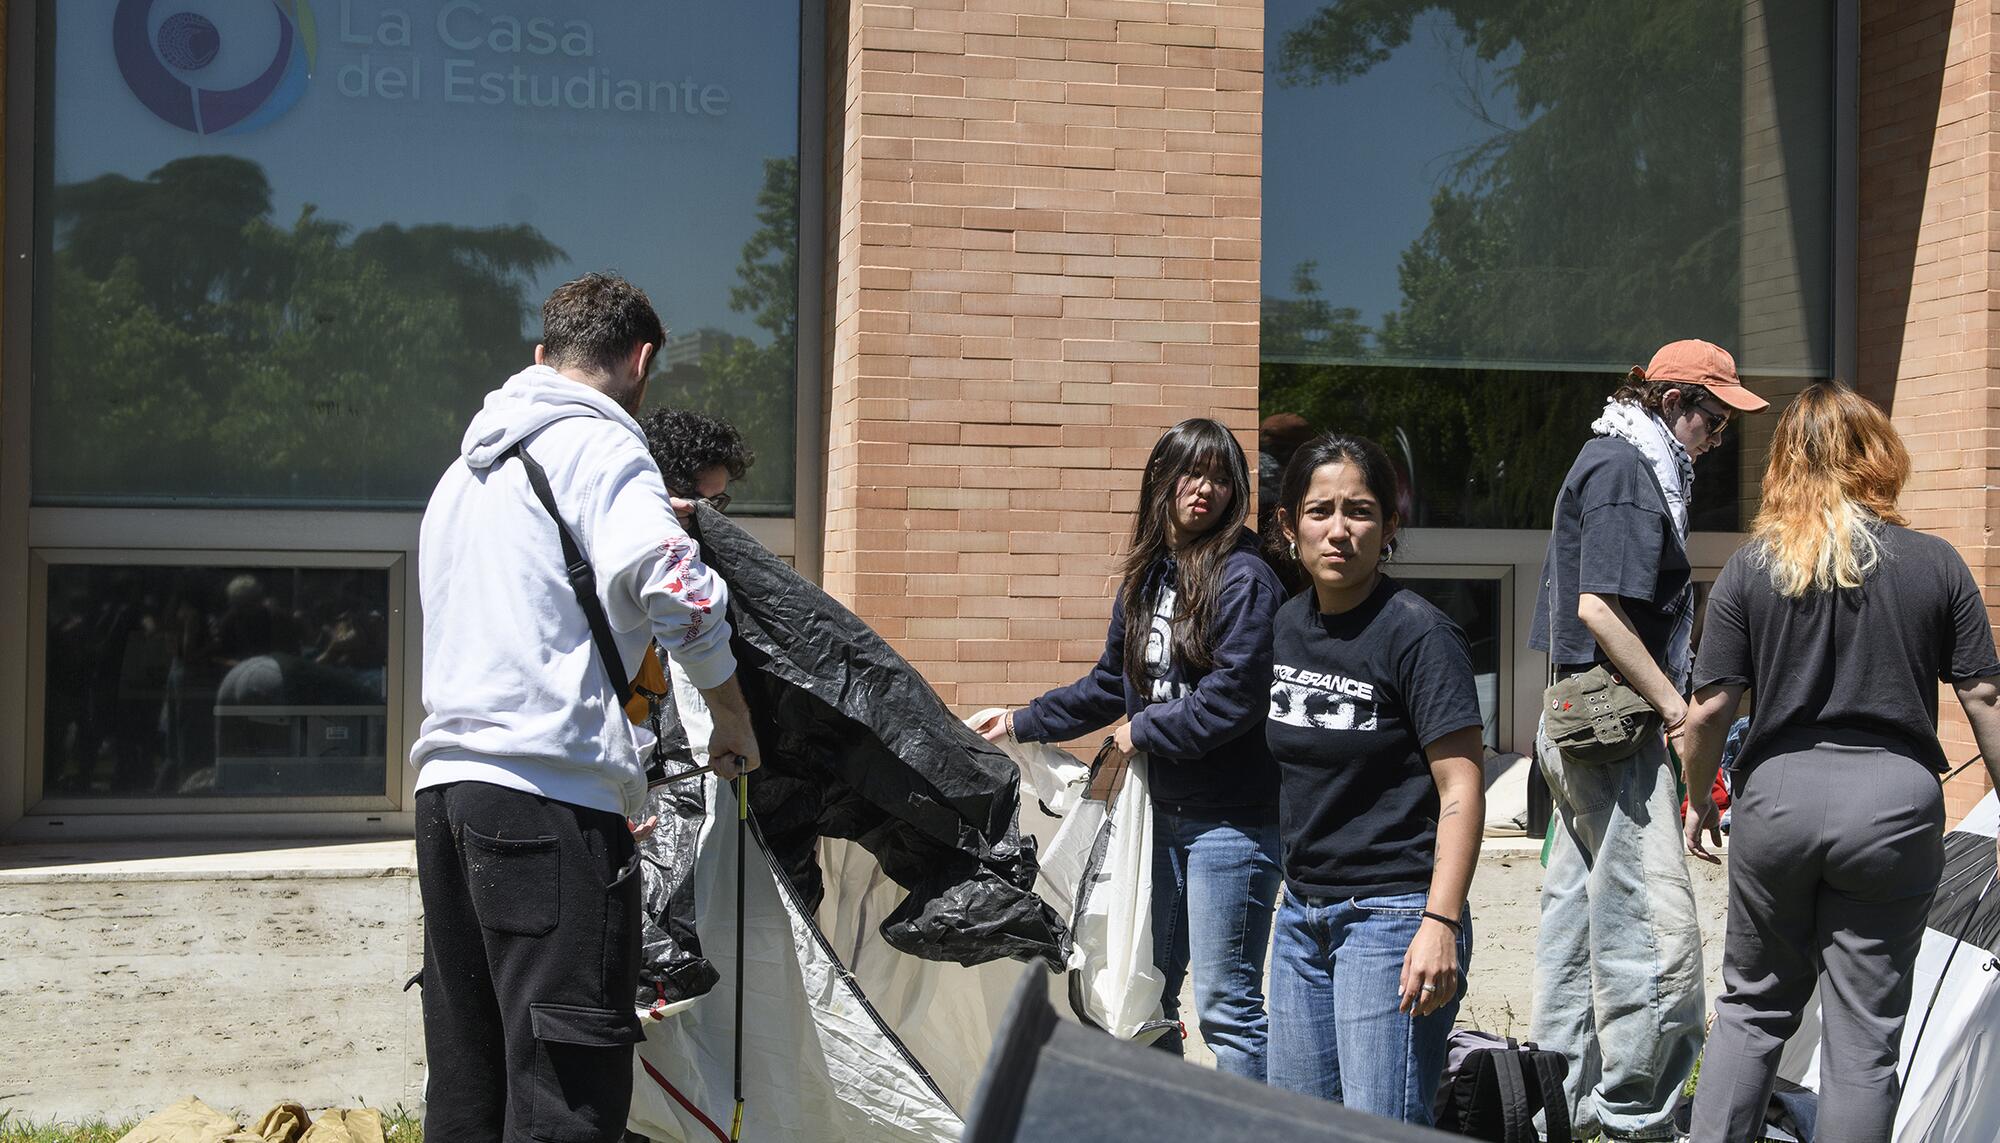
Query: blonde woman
[(1843, 621)]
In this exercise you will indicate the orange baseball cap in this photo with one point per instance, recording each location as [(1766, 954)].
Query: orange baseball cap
[(1705, 364)]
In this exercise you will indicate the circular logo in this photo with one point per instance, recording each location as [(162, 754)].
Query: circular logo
[(162, 66)]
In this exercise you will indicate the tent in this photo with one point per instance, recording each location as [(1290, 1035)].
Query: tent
[(1951, 1084), (891, 878)]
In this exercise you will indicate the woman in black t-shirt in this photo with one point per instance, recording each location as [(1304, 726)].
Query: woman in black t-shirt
[(1375, 724), (1844, 622)]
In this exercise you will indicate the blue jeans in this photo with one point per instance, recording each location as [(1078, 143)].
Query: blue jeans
[(1215, 881), (1618, 981), (1336, 990)]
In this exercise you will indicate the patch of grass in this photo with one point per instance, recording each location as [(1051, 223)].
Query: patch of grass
[(398, 1126), (16, 1130)]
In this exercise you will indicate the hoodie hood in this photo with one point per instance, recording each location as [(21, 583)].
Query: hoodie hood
[(529, 402)]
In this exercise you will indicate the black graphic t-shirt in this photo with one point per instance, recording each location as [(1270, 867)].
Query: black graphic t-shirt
[(1355, 698), (1162, 681)]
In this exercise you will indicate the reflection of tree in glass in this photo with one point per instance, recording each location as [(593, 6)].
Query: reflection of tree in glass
[(1306, 325), (1610, 204), (1608, 207), (198, 349), (752, 385)]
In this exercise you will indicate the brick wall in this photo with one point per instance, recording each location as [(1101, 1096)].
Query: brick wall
[(1047, 252), (1927, 338)]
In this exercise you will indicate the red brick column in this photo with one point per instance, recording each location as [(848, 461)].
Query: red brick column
[(1927, 336), (1047, 252)]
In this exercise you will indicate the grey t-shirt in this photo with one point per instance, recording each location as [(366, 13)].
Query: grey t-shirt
[(1867, 659), (1612, 536)]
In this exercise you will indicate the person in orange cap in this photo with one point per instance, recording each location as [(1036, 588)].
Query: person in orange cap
[(1618, 978)]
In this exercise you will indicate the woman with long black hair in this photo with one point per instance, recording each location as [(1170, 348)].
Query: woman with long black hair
[(1187, 663), (1375, 725)]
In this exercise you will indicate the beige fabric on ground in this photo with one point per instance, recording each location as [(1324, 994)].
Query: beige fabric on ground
[(282, 1124), (189, 1121), (361, 1125), (192, 1121)]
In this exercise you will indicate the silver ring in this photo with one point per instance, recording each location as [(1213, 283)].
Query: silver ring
[(1428, 988)]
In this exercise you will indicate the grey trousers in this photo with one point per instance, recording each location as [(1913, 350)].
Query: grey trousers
[(1834, 854)]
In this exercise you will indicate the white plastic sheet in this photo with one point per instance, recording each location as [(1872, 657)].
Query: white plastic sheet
[(1097, 872), (818, 1065), (1951, 1086)]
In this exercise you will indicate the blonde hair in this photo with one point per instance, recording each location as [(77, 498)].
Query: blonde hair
[(1837, 466)]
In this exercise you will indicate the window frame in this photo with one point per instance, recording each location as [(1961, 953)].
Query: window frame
[(1505, 576), (399, 711), (33, 537)]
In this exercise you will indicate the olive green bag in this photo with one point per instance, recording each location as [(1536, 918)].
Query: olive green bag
[(1594, 718)]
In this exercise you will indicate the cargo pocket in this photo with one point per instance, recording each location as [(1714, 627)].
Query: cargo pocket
[(515, 883), (582, 1084)]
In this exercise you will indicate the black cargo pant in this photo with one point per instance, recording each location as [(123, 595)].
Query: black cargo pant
[(531, 962)]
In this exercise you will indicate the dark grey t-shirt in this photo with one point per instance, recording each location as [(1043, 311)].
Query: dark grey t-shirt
[(1866, 659), (1612, 536)]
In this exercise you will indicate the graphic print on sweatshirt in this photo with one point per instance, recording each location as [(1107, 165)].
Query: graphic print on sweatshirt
[(1160, 650), (1317, 699)]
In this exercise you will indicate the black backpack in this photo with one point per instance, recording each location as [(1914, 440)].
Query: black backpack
[(1493, 1086)]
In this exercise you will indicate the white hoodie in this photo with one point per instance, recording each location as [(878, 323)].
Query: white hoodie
[(514, 691)]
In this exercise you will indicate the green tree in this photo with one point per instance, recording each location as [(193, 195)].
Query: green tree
[(752, 383), (1601, 216), (1606, 204), (196, 349), (1306, 325)]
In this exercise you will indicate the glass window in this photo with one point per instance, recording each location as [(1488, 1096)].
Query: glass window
[(286, 247), (1475, 605), (1476, 218), (215, 681)]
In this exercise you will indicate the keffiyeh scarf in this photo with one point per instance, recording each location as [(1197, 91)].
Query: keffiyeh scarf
[(1631, 422)]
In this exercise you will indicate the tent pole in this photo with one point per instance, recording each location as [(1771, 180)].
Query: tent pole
[(1963, 928)]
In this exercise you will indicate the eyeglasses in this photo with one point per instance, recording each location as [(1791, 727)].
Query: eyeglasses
[(719, 501)]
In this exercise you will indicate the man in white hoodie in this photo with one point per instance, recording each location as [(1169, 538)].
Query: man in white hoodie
[(529, 769)]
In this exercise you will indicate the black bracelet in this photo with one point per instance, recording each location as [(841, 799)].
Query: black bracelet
[(1447, 922)]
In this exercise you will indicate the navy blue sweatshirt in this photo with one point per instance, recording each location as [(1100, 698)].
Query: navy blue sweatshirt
[(1202, 730)]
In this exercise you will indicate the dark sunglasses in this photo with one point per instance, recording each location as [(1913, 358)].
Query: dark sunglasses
[(1716, 419)]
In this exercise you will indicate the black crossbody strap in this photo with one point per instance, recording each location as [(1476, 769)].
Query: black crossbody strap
[(582, 580), (1555, 1103)]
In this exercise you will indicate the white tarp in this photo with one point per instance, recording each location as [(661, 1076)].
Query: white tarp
[(816, 1064), (848, 1040), (1951, 1087), (1097, 872)]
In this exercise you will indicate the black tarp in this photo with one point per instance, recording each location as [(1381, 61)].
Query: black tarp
[(856, 745), (1964, 907)]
